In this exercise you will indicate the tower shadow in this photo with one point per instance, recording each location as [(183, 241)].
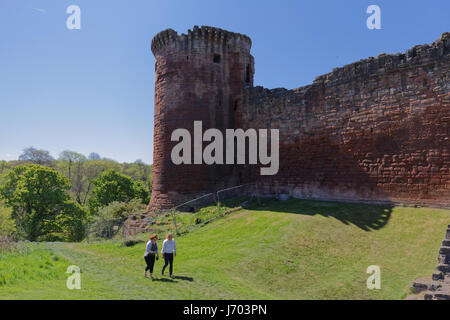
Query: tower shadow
[(364, 216)]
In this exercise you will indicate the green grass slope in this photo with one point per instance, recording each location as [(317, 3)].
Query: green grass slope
[(283, 250)]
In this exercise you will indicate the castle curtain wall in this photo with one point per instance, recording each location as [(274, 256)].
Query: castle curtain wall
[(375, 131)]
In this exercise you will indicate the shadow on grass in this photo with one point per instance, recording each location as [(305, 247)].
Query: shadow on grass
[(132, 243), (184, 278), (364, 216), (367, 217), (163, 280)]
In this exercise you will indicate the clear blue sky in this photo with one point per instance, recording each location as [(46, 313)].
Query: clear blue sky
[(93, 89)]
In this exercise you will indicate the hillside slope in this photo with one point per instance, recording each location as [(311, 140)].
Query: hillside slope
[(284, 250)]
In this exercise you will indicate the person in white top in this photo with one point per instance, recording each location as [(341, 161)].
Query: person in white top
[(151, 252), (168, 251)]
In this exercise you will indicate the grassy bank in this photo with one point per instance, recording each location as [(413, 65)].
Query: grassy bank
[(281, 250)]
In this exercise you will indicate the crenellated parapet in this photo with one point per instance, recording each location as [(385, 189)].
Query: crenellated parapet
[(386, 63), (201, 37), (199, 76), (373, 131), (428, 57)]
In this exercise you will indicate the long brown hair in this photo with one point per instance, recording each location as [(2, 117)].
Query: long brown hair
[(153, 236)]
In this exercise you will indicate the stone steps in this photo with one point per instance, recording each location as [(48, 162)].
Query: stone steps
[(442, 293), (442, 296), (444, 250), (438, 288), (437, 276), (445, 268), (444, 259), (425, 284)]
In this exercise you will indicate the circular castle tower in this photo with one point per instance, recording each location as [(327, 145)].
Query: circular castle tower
[(199, 76)]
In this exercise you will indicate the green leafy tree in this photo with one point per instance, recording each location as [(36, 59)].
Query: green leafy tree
[(139, 171), (7, 225), (81, 173), (141, 192), (120, 210), (72, 159), (41, 205), (73, 163), (3, 165), (113, 186), (92, 170)]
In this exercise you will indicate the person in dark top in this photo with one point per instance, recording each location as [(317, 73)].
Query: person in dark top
[(151, 253)]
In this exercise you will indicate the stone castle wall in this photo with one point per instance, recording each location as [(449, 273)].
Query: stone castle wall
[(377, 130), (200, 76)]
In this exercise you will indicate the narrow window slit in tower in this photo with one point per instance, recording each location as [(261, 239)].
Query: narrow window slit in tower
[(247, 74), (216, 58)]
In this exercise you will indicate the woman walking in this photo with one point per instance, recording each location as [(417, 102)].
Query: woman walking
[(168, 252), (151, 252)]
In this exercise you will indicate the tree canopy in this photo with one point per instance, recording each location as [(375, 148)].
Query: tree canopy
[(43, 199), (113, 186), (36, 156), (94, 156), (41, 205)]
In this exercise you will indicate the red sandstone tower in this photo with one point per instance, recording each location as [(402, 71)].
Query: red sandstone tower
[(200, 76)]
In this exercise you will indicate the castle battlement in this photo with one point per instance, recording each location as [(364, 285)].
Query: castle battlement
[(418, 56), (386, 63), (201, 37), (374, 131), (201, 76)]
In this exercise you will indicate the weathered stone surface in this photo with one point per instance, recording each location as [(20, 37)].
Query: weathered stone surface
[(373, 131), (442, 295), (444, 250), (424, 284), (439, 287), (420, 285), (438, 276), (199, 76)]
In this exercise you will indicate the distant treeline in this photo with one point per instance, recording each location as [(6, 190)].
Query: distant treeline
[(53, 199), (80, 170)]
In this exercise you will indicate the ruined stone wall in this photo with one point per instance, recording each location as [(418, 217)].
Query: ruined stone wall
[(200, 76), (376, 130), (438, 288)]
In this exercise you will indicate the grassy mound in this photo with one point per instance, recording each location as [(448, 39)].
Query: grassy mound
[(29, 264), (278, 250)]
